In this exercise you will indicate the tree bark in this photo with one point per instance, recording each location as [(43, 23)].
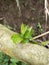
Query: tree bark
[(30, 53)]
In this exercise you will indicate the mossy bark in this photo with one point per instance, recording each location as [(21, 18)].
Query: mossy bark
[(30, 53)]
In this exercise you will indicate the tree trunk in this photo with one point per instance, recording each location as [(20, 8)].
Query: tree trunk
[(30, 53)]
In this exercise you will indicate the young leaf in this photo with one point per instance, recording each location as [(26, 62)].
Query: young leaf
[(29, 33), (23, 28), (16, 38), (13, 60), (39, 27)]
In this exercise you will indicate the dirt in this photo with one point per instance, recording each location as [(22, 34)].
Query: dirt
[(32, 12)]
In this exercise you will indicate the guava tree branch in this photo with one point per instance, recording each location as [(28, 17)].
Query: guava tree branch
[(30, 53)]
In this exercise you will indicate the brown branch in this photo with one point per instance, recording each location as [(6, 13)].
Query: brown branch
[(30, 53)]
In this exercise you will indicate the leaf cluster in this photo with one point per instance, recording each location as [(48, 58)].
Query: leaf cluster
[(25, 35)]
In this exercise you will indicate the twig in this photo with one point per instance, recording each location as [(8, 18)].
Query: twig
[(17, 1), (46, 12), (41, 35)]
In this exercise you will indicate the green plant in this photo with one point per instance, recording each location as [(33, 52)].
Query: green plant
[(39, 27), (4, 59), (13, 61), (25, 35)]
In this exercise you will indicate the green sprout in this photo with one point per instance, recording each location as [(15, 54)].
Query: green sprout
[(25, 35), (39, 27)]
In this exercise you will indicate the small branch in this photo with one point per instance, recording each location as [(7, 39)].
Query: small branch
[(46, 12), (17, 1), (41, 35)]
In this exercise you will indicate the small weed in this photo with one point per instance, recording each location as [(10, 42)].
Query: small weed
[(39, 27), (25, 34)]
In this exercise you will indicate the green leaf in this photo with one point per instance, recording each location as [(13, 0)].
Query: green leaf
[(25, 41), (5, 64), (13, 60), (13, 64), (16, 38), (23, 28), (29, 33)]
